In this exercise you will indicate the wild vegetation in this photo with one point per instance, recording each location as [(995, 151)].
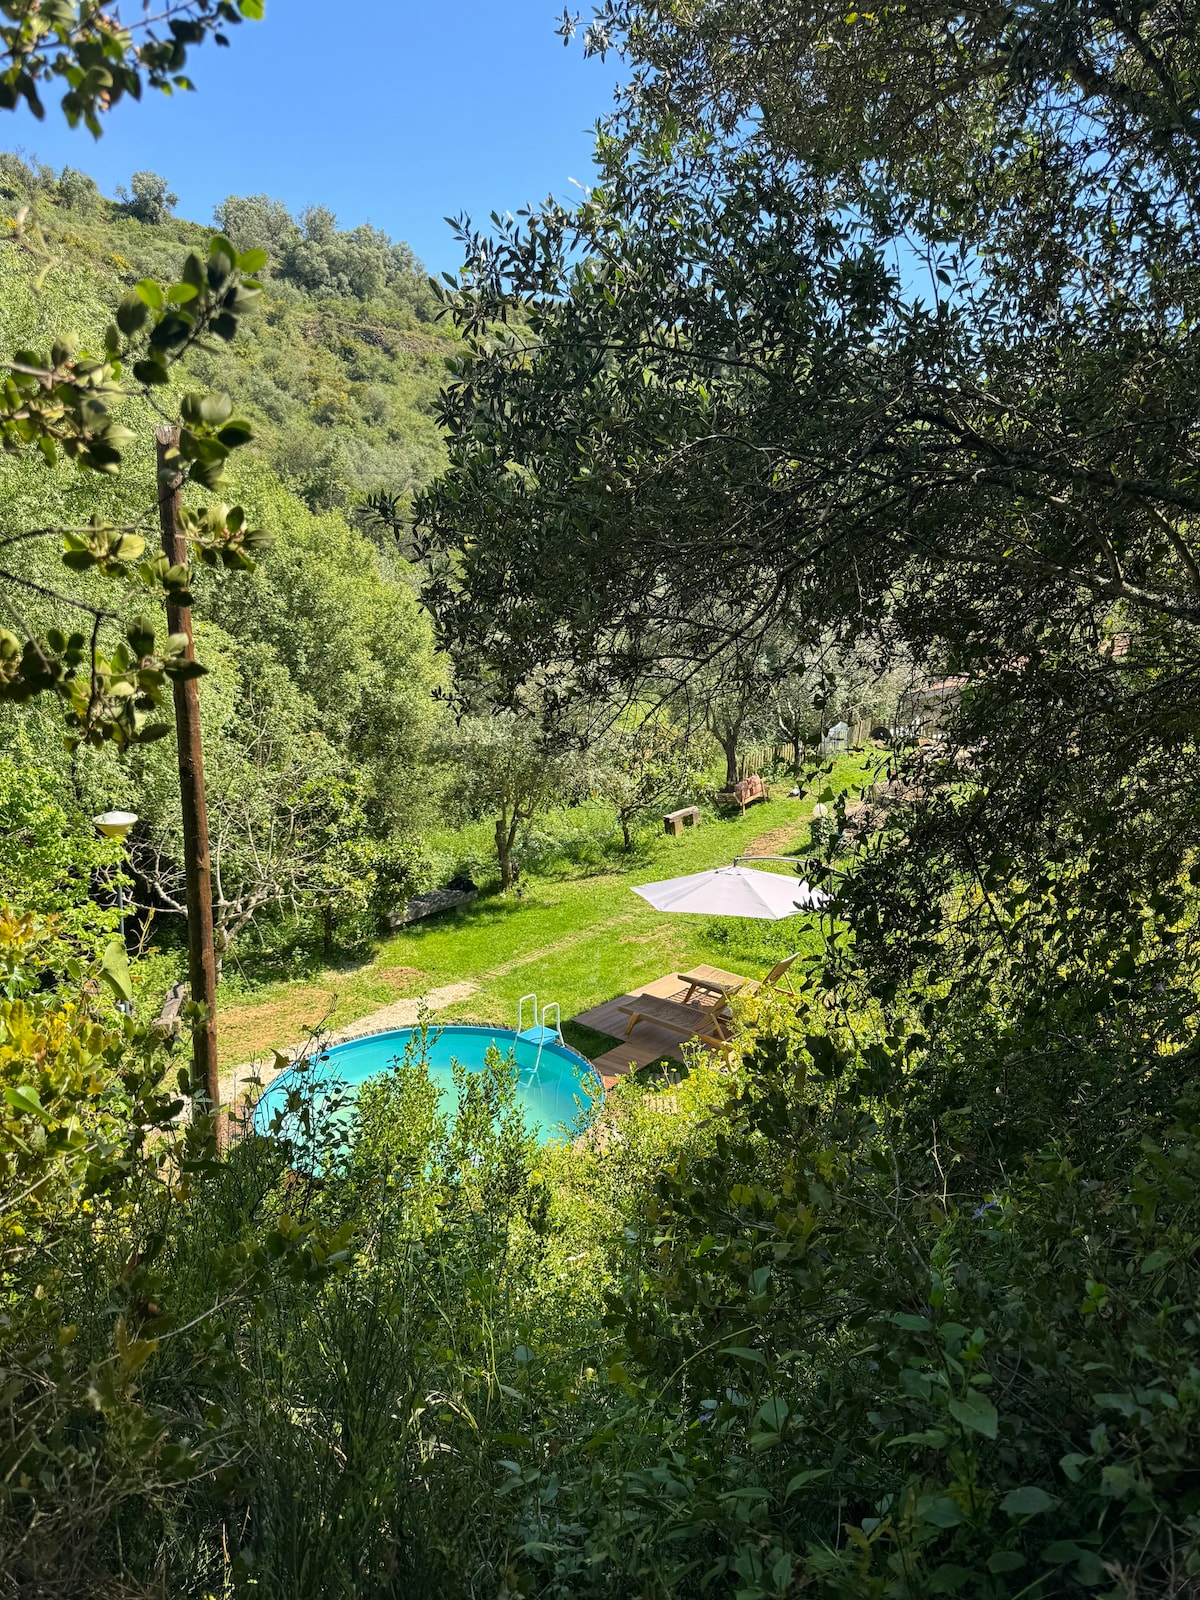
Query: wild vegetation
[(884, 323)]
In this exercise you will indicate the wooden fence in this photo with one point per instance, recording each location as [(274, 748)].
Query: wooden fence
[(782, 757)]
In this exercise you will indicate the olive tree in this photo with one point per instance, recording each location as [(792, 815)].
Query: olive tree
[(503, 769), (640, 766)]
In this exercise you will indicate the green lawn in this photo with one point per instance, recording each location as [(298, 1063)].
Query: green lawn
[(578, 940)]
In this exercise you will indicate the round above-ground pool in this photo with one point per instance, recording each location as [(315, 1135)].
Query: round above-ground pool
[(555, 1084)]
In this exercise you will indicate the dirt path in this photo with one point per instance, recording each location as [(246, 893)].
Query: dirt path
[(399, 1014), (777, 842)]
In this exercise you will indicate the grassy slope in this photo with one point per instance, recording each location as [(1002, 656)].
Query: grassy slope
[(578, 941)]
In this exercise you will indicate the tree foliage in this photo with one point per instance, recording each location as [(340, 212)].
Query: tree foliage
[(325, 261), (320, 656), (63, 402), (503, 768), (149, 198), (641, 766), (918, 367), (84, 47)]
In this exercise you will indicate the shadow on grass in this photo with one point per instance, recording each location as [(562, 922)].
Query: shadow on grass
[(590, 1042)]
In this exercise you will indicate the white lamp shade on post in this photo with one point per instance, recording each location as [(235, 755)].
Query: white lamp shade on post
[(115, 824)]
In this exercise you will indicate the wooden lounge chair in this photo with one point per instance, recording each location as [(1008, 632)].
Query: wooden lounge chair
[(694, 1022), (721, 1011), (774, 978)]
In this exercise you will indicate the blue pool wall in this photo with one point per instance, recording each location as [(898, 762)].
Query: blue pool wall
[(550, 1102)]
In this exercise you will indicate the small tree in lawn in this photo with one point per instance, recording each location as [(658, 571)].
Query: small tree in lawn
[(504, 771), (640, 769), (731, 691)]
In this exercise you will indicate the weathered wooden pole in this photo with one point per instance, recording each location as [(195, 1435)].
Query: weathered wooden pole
[(202, 956)]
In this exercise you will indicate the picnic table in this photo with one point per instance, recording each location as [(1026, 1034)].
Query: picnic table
[(711, 980)]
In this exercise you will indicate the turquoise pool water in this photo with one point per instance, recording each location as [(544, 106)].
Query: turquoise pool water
[(554, 1089)]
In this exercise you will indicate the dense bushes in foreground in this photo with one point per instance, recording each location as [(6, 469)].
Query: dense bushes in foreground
[(758, 1338)]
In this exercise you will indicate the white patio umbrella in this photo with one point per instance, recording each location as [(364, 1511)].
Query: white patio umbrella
[(734, 892)]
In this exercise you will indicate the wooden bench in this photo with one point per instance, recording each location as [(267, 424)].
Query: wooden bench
[(695, 1022), (686, 817), (744, 793)]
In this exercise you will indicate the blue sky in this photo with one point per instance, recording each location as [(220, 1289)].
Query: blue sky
[(396, 112)]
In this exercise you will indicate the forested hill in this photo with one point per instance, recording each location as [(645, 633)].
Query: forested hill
[(318, 705), (339, 371)]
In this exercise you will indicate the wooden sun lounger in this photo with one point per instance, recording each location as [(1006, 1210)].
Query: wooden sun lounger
[(691, 1021)]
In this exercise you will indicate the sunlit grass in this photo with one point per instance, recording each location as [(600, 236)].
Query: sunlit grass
[(578, 940)]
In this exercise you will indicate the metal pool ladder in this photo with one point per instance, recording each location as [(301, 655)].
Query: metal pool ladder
[(540, 1033)]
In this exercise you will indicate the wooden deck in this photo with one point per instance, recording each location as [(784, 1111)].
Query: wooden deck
[(647, 1043)]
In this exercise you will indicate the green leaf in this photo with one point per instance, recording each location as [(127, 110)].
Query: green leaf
[(235, 433), (150, 371), (1027, 1501), (216, 409), (25, 1099), (802, 1479), (742, 1353), (150, 294), (1157, 1259), (1005, 1561), (1089, 1569), (947, 1578), (976, 1413), (773, 1413), (252, 260), (1063, 1550), (940, 1511), (114, 969), (132, 314)]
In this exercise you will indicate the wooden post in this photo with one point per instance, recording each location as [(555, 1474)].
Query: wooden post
[(202, 956)]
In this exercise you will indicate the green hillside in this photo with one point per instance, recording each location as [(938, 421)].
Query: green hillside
[(318, 706), (340, 369)]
